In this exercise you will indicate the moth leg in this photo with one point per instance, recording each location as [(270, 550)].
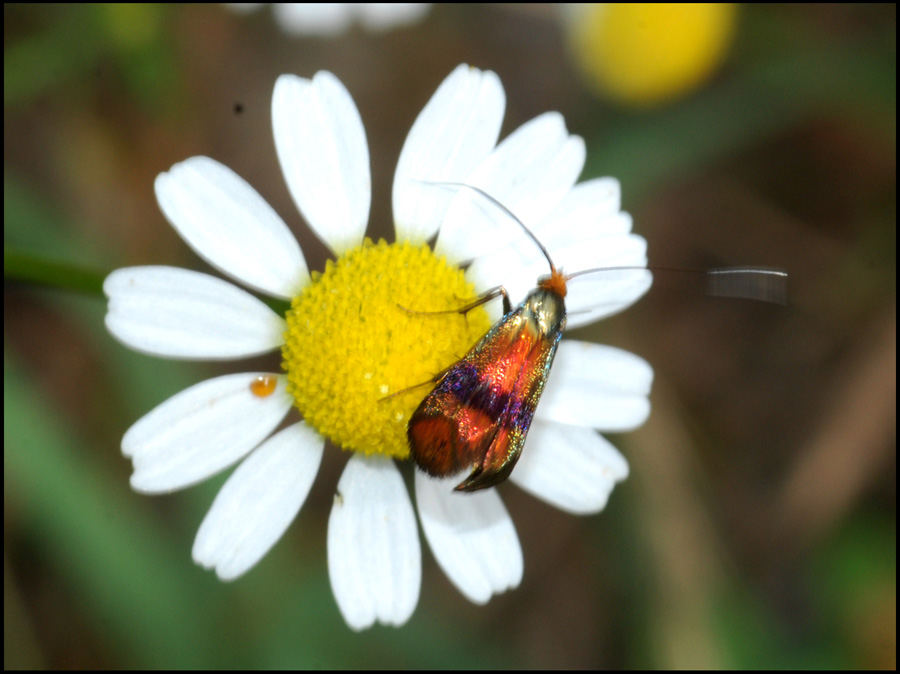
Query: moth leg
[(410, 388), (436, 378), (484, 298)]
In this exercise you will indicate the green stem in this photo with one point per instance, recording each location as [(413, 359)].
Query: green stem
[(19, 265)]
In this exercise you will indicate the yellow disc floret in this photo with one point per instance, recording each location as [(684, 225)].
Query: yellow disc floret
[(364, 330)]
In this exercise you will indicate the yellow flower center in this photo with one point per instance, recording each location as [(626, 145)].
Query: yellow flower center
[(361, 332), (643, 54)]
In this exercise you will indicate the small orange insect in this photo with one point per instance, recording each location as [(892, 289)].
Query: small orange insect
[(264, 386)]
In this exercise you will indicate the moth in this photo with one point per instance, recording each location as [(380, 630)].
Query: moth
[(478, 414)]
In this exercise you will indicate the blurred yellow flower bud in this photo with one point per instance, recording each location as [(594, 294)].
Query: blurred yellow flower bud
[(646, 54)]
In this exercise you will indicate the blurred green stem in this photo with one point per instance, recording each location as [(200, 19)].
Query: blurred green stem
[(19, 265), (34, 268)]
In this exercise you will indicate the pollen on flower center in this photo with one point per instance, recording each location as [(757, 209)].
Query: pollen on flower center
[(354, 338)]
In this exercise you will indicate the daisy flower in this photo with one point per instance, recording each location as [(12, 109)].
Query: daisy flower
[(347, 344)]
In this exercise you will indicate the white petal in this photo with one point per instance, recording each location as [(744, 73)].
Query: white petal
[(598, 197), (177, 313), (588, 215), (322, 148), (455, 131), (570, 467), (607, 290), (244, 7), (313, 18), (384, 15), (231, 226), (595, 296), (201, 431), (258, 502), (596, 386), (591, 296), (374, 559), (472, 537), (589, 210), (506, 267), (530, 173), (330, 19)]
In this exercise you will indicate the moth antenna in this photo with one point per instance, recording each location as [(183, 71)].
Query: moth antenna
[(752, 283), (765, 284), (503, 208)]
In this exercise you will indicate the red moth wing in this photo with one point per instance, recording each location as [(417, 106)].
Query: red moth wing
[(479, 413)]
